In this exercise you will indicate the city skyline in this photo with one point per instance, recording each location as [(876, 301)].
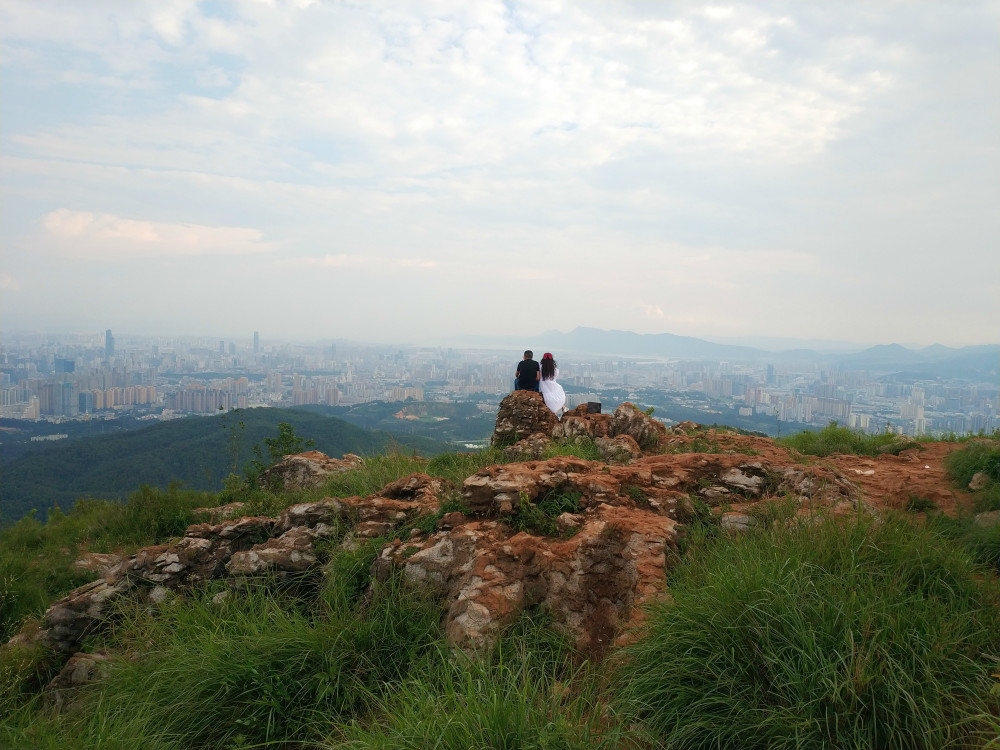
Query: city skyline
[(410, 173), (84, 379)]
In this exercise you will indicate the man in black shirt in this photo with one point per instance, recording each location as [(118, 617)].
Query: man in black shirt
[(528, 373)]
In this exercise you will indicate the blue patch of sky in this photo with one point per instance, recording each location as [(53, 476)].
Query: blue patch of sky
[(225, 10), (175, 79), (561, 126)]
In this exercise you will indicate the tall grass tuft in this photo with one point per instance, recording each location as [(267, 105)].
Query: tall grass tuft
[(252, 670), (834, 439), (457, 467), (847, 635), (978, 456), (36, 559), (374, 473), (527, 694)]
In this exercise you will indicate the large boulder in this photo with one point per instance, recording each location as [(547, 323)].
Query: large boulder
[(522, 414), (646, 431), (593, 581), (304, 470), (84, 611)]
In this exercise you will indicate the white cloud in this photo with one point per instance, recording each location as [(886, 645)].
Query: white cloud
[(9, 283), (748, 152), (98, 236)]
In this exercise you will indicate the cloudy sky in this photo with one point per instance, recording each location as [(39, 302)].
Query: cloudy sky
[(408, 171)]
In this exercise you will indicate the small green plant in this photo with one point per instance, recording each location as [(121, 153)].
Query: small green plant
[(581, 447), (638, 496), (539, 517), (917, 504)]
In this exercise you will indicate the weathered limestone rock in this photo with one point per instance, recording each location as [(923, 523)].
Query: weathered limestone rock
[(80, 670), (83, 612), (239, 533), (419, 489), (646, 431), (192, 560), (980, 481), (106, 565), (292, 552), (219, 513), (593, 582), (532, 446), (579, 423), (522, 414), (303, 470), (621, 449), (323, 513)]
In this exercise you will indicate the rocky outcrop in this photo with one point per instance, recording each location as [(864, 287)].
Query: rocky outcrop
[(83, 612), (522, 414), (80, 670), (304, 470), (592, 581), (640, 426), (292, 552), (104, 564), (589, 540), (524, 427)]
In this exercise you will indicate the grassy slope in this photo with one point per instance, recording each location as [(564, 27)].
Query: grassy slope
[(826, 635)]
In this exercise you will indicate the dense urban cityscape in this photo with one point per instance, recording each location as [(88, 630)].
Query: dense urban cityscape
[(57, 378)]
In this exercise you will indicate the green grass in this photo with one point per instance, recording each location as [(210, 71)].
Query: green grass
[(539, 517), (457, 467), (527, 694), (853, 635), (256, 669), (974, 457), (580, 447), (36, 559), (374, 473), (834, 439)]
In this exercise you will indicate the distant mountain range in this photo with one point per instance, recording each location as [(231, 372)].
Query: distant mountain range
[(933, 361)]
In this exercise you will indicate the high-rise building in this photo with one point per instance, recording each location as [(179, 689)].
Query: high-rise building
[(256, 342), (109, 344)]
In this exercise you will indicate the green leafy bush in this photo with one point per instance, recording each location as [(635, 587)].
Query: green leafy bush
[(853, 635)]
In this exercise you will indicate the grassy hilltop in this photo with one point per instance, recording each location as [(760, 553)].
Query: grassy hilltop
[(876, 629)]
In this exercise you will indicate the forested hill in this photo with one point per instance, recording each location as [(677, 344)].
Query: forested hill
[(197, 451)]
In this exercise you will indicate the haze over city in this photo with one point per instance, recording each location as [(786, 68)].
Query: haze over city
[(413, 171)]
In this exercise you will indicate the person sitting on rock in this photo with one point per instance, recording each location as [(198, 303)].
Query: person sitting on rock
[(552, 392), (527, 376)]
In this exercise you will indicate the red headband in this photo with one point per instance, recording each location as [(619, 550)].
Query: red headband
[(546, 356)]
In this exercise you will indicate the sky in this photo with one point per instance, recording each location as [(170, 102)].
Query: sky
[(409, 171)]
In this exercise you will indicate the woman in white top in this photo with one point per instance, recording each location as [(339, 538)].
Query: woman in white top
[(552, 392)]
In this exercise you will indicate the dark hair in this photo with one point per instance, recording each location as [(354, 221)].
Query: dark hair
[(548, 367), (528, 354)]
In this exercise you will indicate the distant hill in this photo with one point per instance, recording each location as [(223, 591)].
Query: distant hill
[(599, 341), (197, 451), (969, 362)]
